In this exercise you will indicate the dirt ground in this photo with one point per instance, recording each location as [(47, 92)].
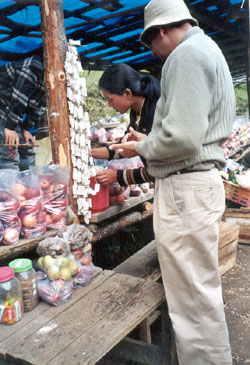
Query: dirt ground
[(236, 293)]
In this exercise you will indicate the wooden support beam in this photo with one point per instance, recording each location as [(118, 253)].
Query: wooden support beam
[(54, 47), (248, 60), (122, 222)]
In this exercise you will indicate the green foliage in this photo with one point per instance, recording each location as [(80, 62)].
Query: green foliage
[(96, 104), (241, 99)]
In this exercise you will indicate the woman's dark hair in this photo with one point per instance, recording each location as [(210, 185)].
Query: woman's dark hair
[(116, 78)]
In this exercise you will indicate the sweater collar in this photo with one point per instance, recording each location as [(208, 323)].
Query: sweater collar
[(192, 31)]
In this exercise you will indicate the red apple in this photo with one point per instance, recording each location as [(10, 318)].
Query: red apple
[(29, 220), (77, 254), (86, 260), (10, 236), (56, 216), (120, 198), (33, 206), (32, 193), (45, 184), (19, 188), (41, 217)]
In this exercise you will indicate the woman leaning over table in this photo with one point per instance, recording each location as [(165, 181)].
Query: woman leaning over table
[(126, 89)]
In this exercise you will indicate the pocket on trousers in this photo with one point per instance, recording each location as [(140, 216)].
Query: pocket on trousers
[(211, 197)]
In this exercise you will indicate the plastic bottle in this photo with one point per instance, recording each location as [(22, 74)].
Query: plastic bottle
[(11, 303), (27, 276)]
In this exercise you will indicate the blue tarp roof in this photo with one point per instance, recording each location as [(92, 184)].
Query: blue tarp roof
[(109, 30)]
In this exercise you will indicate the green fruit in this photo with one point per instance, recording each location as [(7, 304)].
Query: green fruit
[(48, 261), (73, 267), (65, 273), (62, 261), (53, 272), (40, 262)]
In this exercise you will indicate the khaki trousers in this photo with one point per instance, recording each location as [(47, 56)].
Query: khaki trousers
[(187, 212)]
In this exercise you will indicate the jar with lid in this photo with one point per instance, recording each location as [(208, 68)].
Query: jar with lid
[(27, 276), (11, 303)]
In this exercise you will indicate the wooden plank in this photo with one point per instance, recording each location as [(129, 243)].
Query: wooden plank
[(240, 217), (23, 246), (227, 233), (124, 305), (103, 316), (227, 250), (113, 210), (227, 263), (143, 264), (44, 313)]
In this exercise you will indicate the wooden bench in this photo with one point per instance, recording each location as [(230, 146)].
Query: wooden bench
[(88, 326), (144, 264)]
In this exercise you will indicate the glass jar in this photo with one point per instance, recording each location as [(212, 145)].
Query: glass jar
[(27, 276), (11, 303)]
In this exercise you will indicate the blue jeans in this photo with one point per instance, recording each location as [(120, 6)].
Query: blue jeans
[(18, 159)]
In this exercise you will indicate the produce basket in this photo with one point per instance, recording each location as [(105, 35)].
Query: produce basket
[(237, 194)]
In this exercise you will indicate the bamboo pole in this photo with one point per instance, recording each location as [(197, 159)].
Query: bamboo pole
[(54, 49)]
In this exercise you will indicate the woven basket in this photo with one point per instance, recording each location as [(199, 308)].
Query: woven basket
[(237, 194)]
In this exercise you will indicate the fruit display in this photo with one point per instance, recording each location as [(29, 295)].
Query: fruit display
[(56, 291), (59, 267), (31, 212), (118, 194), (78, 236), (240, 137), (55, 198), (10, 222), (53, 246)]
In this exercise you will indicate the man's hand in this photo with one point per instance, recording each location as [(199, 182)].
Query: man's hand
[(125, 149), (107, 176), (133, 136), (11, 137), (28, 137)]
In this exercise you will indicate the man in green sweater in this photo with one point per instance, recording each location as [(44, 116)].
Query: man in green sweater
[(193, 118)]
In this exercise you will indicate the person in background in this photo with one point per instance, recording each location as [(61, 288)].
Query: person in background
[(126, 89), (22, 105), (193, 118)]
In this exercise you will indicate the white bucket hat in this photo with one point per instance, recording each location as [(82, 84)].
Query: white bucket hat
[(164, 12)]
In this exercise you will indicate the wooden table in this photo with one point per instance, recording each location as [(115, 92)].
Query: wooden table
[(84, 329)]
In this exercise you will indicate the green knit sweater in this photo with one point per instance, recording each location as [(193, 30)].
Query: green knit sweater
[(196, 110)]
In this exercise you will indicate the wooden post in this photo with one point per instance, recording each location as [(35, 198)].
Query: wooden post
[(248, 60), (54, 49)]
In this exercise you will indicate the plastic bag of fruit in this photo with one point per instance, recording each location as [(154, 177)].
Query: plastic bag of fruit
[(125, 163), (53, 246), (77, 235), (118, 195), (31, 212), (9, 208), (54, 181), (84, 273), (56, 291), (58, 267)]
